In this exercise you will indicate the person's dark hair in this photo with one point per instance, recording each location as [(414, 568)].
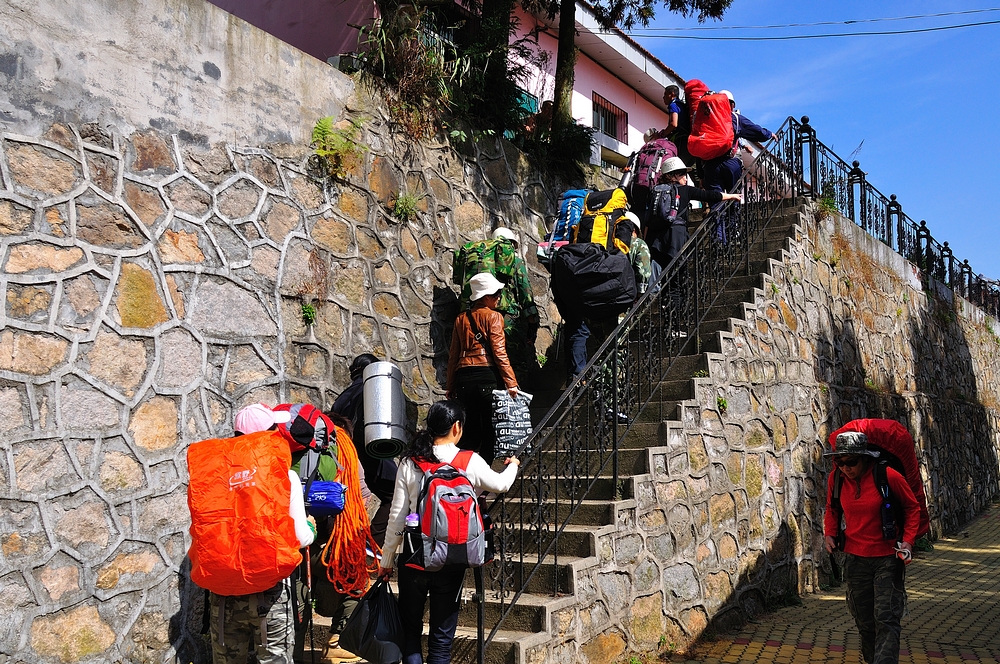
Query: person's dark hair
[(673, 89), (342, 422), (360, 362), (440, 418)]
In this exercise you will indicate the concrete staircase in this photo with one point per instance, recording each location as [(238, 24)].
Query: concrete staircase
[(534, 620)]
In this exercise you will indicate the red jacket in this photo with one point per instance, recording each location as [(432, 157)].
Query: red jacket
[(863, 514)]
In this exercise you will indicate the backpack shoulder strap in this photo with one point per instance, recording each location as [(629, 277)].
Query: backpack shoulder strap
[(881, 478), (838, 484), (461, 460), (483, 340)]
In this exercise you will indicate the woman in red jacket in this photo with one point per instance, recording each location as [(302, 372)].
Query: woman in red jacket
[(875, 565)]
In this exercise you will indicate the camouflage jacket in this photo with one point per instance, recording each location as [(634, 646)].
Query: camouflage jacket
[(639, 256), (500, 259)]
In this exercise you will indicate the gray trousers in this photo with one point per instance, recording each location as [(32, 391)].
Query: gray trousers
[(876, 598), (238, 624)]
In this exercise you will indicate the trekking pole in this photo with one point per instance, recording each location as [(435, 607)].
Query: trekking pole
[(308, 607)]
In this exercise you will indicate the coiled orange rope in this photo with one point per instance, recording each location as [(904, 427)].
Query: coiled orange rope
[(344, 553)]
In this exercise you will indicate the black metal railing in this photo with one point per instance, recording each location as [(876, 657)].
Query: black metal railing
[(829, 178), (573, 453)]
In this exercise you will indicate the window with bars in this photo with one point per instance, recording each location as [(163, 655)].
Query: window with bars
[(610, 120)]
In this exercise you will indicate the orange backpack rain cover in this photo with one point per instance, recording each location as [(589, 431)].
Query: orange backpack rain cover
[(242, 536)]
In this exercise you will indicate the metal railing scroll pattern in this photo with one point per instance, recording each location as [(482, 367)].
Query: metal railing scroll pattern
[(573, 452)]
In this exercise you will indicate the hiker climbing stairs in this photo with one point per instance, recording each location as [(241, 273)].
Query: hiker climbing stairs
[(539, 615)]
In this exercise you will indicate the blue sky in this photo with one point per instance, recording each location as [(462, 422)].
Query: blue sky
[(925, 105)]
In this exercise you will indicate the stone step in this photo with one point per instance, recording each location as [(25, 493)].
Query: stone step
[(731, 296), (588, 512), (684, 365), (530, 613), (553, 577), (666, 411), (574, 541), (629, 462), (504, 649), (746, 282)]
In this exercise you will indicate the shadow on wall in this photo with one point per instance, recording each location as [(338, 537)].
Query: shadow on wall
[(920, 372), (768, 583), (444, 310), (188, 631), (949, 421)]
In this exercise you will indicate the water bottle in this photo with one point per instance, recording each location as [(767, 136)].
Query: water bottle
[(412, 531)]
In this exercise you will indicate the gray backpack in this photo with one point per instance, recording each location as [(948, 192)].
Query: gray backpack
[(451, 525)]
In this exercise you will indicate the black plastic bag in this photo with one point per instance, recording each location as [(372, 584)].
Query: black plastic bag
[(374, 630)]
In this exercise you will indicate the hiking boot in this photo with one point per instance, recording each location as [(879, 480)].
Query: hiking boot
[(334, 654)]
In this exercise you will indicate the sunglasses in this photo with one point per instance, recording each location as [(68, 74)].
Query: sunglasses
[(849, 463)]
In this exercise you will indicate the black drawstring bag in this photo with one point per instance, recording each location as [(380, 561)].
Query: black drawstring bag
[(374, 629)]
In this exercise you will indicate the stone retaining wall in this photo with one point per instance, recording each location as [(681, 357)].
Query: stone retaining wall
[(151, 289), (729, 520)]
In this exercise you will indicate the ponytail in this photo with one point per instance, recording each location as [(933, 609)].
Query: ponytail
[(440, 418)]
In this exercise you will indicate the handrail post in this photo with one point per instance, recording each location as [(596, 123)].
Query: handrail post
[(894, 211), (477, 575), (807, 134), (614, 415), (965, 278), (924, 247), (948, 263), (856, 176)]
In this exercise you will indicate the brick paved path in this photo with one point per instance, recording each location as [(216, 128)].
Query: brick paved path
[(954, 613)]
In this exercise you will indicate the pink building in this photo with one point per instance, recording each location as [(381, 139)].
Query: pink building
[(618, 87)]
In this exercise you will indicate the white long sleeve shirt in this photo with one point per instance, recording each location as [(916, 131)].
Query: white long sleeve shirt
[(297, 510), (407, 492)]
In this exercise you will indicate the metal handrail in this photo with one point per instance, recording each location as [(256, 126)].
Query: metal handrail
[(578, 438), (568, 453), (830, 177)]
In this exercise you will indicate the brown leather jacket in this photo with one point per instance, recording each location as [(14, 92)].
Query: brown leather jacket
[(467, 352)]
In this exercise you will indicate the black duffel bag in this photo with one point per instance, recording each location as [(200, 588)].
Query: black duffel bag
[(588, 281)]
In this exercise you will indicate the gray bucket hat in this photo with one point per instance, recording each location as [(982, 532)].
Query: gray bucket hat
[(852, 442)]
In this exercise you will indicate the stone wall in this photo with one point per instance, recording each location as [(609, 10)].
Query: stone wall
[(151, 289), (153, 274), (729, 520)]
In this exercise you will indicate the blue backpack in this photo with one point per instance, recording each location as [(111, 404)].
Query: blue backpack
[(570, 211)]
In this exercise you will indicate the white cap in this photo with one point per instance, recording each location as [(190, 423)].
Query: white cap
[(505, 234), (673, 165), (728, 94), (484, 284), (631, 216)]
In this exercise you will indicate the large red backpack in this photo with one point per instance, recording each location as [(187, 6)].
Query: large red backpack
[(451, 525), (242, 537), (694, 90), (896, 446), (711, 128)]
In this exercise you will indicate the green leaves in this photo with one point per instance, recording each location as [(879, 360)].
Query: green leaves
[(336, 149)]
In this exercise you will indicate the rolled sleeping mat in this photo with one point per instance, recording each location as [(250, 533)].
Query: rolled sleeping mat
[(385, 411)]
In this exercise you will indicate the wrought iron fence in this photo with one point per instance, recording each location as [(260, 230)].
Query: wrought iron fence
[(828, 177), (573, 453)]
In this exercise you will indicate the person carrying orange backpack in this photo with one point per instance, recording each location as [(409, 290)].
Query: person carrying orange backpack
[(248, 526)]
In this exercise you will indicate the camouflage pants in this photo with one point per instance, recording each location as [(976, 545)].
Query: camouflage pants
[(238, 629), (877, 599)]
